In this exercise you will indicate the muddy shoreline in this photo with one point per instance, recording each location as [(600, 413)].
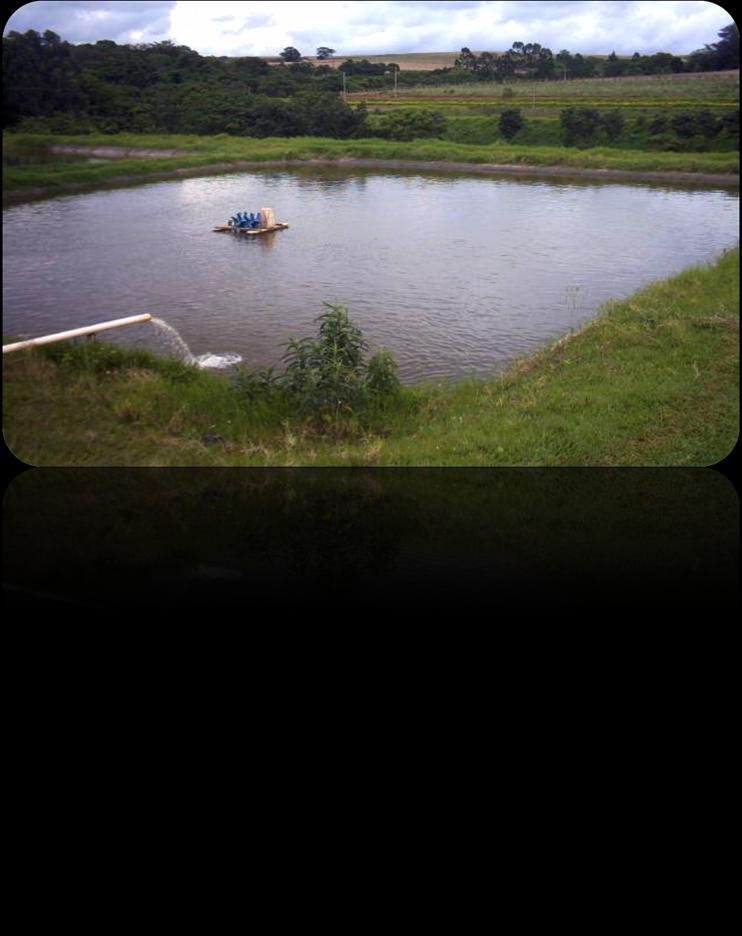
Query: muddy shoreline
[(699, 178)]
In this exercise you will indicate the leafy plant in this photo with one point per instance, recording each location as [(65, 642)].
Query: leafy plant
[(327, 378), (613, 123), (251, 385), (381, 374), (327, 375), (580, 125), (411, 125), (698, 123), (511, 121)]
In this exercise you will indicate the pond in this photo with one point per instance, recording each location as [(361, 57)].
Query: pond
[(455, 274)]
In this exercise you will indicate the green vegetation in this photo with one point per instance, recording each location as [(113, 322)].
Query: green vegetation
[(511, 121), (530, 60), (653, 380), (222, 111), (328, 378), (51, 85), (409, 124), (684, 113), (695, 131), (29, 171), (639, 91)]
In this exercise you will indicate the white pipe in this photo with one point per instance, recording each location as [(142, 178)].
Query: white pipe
[(76, 332)]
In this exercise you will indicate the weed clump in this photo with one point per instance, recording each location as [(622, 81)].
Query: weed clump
[(328, 378)]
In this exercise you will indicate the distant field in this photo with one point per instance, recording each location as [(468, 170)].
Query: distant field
[(701, 88), (407, 61), (414, 61)]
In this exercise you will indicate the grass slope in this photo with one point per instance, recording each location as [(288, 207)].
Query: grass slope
[(222, 152), (697, 89), (653, 380)]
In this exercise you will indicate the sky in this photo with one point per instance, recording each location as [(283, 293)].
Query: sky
[(374, 27)]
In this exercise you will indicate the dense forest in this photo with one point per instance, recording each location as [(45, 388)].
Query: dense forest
[(53, 85), (163, 88)]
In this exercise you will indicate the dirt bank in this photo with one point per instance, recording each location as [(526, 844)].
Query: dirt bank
[(117, 152)]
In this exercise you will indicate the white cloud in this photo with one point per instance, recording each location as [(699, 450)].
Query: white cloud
[(355, 27), (91, 20)]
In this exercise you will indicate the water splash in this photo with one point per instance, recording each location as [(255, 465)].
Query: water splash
[(181, 349), (218, 360)]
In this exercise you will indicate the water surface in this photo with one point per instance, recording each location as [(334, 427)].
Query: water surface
[(455, 274)]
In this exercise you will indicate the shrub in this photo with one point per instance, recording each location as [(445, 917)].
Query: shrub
[(580, 125), (659, 125), (381, 374), (729, 126), (328, 377), (729, 122), (511, 121), (613, 124), (697, 123), (56, 123), (259, 384), (411, 125), (664, 142)]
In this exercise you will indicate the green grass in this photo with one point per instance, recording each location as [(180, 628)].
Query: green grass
[(541, 131), (472, 110), (653, 380), (222, 151), (27, 166), (698, 90)]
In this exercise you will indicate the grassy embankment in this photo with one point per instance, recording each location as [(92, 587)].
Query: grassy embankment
[(27, 175), (653, 380), (472, 135)]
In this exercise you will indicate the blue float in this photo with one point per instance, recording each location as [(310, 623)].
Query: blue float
[(246, 219)]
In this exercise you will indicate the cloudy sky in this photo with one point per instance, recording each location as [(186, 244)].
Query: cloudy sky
[(354, 27)]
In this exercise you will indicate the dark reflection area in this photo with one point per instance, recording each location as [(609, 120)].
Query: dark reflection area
[(479, 544), (334, 175), (323, 179)]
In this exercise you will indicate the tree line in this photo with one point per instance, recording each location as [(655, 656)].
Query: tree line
[(165, 88), (52, 85), (531, 61)]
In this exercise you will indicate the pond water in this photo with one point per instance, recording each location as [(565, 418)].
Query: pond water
[(455, 274)]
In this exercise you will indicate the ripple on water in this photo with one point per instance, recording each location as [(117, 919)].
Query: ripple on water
[(454, 275)]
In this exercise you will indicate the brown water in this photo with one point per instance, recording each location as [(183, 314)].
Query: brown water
[(455, 274)]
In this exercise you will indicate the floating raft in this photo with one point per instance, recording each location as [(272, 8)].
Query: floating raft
[(252, 232)]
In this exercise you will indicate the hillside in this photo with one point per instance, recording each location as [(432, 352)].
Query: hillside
[(418, 61)]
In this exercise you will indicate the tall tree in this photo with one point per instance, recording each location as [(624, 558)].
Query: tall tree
[(727, 49), (719, 56)]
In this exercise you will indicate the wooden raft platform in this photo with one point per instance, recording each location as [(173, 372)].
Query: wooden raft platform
[(233, 229)]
